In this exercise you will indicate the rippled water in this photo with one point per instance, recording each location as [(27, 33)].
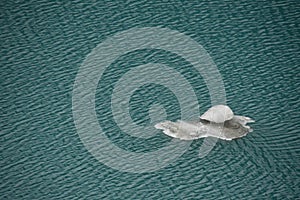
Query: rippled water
[(255, 47)]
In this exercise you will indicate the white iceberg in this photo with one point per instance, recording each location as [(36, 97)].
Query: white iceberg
[(219, 122)]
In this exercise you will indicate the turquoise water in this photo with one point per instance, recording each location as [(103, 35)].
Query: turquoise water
[(255, 47)]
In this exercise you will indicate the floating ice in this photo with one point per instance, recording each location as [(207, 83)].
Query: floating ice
[(219, 122)]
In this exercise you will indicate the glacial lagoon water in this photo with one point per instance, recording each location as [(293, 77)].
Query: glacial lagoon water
[(255, 47)]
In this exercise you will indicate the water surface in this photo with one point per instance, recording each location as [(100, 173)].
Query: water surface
[(255, 47)]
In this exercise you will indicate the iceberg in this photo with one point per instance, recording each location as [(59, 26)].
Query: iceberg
[(219, 122)]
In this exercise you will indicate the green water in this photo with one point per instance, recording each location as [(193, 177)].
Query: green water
[(255, 47)]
